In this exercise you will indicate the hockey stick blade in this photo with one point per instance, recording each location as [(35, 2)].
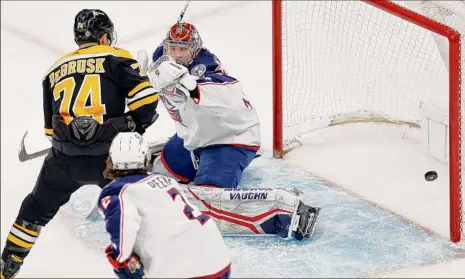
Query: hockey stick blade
[(23, 156)]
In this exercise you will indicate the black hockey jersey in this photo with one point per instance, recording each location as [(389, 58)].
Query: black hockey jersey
[(103, 82)]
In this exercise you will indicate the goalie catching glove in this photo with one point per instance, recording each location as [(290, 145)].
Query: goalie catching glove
[(132, 267), (168, 74)]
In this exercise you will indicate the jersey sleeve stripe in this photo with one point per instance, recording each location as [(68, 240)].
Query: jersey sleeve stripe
[(142, 94), (49, 132), (138, 88), (147, 100)]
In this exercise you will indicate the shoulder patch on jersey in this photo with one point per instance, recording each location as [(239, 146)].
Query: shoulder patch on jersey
[(198, 70)]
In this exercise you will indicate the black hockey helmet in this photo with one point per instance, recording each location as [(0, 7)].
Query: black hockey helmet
[(91, 24)]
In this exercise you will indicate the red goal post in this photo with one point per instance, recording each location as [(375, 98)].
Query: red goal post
[(288, 98)]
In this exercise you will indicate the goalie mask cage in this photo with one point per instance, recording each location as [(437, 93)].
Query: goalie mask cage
[(375, 60)]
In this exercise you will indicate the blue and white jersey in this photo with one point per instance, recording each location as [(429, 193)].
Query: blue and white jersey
[(220, 114), (149, 214)]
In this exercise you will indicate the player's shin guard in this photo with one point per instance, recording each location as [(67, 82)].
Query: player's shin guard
[(20, 240), (252, 211)]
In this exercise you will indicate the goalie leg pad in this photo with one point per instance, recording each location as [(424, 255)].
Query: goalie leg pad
[(248, 211)]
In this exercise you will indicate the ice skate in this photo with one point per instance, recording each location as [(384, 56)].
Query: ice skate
[(11, 267)]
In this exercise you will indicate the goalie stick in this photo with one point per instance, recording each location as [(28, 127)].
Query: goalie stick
[(142, 55), (183, 11)]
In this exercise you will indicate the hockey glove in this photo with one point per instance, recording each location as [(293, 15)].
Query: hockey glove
[(130, 268), (169, 73)]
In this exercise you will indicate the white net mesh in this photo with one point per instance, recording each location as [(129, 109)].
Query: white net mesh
[(347, 61)]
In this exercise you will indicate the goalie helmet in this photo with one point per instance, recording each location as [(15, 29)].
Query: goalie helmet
[(129, 151), (91, 24), (183, 35)]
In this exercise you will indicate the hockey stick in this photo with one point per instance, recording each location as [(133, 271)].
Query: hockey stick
[(23, 156), (183, 11), (155, 148)]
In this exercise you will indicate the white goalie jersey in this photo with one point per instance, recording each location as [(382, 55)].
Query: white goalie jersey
[(220, 115), (209, 107)]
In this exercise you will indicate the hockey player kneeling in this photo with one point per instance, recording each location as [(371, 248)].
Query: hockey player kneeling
[(155, 231), (217, 137)]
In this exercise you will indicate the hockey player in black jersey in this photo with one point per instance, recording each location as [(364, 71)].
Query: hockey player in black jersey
[(85, 96)]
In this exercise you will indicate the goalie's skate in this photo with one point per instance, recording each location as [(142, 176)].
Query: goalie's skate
[(307, 220), (11, 267)]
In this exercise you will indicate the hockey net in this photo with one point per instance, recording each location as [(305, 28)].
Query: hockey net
[(338, 62)]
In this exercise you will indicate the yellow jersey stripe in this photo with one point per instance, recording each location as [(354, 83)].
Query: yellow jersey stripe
[(19, 242), (142, 102), (142, 94), (28, 231), (138, 88), (49, 132)]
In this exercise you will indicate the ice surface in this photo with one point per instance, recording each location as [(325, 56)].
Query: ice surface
[(247, 55), (353, 238)]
